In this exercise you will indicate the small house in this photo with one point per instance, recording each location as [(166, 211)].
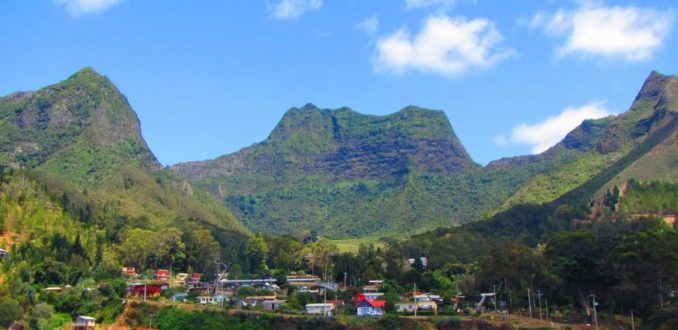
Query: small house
[(162, 275), (85, 323), (369, 307), (212, 300), (370, 288), (3, 253), (195, 278), (147, 289), (358, 297), (319, 309), (268, 283), (204, 300), (377, 283), (181, 296), (303, 280), (305, 289), (254, 300), (409, 306), (129, 271), (273, 305)]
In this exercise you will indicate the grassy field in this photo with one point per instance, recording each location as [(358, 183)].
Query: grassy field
[(352, 244)]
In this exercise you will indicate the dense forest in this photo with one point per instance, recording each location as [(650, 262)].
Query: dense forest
[(627, 263)]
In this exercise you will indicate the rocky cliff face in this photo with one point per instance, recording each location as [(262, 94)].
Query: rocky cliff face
[(345, 174), (343, 144), (86, 108)]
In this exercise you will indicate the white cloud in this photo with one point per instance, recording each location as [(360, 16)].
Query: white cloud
[(547, 133), (446, 46), (292, 9), (84, 7), (630, 33), (370, 25)]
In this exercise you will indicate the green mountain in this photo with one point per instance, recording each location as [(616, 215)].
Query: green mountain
[(625, 145), (81, 140), (345, 174)]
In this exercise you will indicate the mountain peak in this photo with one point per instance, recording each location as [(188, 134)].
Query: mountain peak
[(87, 108), (653, 86), (87, 74), (309, 106)]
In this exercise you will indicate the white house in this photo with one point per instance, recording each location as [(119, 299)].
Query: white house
[(409, 306), (319, 309), (204, 300)]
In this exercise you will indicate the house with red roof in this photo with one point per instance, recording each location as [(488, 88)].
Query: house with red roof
[(369, 307), (161, 275), (360, 296)]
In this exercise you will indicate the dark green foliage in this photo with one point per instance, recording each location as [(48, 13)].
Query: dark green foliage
[(10, 311), (650, 198)]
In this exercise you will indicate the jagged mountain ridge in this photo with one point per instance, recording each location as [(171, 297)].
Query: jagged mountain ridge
[(346, 174), (333, 185), (343, 144), (596, 145), (339, 172), (80, 138)]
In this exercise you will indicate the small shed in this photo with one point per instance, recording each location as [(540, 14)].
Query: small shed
[(85, 323), (129, 271), (273, 305)]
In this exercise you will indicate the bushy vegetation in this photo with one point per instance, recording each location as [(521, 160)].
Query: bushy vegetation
[(655, 197)]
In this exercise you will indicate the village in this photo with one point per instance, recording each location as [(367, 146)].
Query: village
[(299, 295), (321, 298)]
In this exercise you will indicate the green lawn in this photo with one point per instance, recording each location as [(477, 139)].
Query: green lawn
[(352, 244)]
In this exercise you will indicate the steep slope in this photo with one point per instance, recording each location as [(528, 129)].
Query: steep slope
[(660, 162), (342, 144), (597, 145), (346, 174), (81, 139)]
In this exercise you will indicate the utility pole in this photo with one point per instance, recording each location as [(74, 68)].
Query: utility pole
[(529, 301), (633, 326), (595, 314), (508, 290), (494, 292), (539, 294), (414, 296), (345, 274), (325, 302), (547, 308)]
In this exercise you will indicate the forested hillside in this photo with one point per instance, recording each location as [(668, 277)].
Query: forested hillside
[(344, 174)]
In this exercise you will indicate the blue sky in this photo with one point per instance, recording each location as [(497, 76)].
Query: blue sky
[(210, 77)]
